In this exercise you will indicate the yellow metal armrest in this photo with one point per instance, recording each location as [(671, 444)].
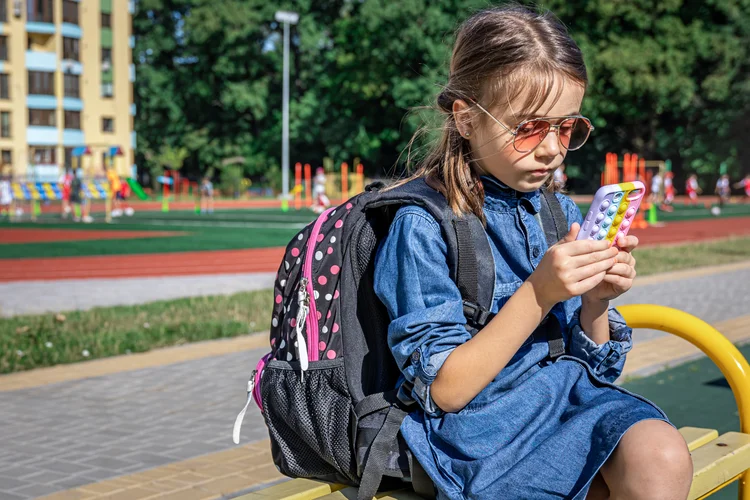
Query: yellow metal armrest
[(708, 339)]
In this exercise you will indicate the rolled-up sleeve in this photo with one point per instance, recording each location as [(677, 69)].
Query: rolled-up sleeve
[(412, 279), (608, 359)]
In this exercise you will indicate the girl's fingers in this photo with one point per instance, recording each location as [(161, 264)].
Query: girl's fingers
[(623, 270), (587, 284), (593, 257), (619, 281), (627, 243), (580, 247), (586, 272)]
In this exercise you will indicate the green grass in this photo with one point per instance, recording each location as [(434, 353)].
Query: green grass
[(672, 258), (28, 342), (226, 230)]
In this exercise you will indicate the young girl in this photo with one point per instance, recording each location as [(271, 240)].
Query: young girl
[(498, 418)]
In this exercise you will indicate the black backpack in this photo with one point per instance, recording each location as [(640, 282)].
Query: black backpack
[(326, 389)]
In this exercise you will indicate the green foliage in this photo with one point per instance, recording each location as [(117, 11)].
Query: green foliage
[(669, 79)]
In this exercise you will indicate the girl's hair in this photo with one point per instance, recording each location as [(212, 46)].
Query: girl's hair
[(499, 53)]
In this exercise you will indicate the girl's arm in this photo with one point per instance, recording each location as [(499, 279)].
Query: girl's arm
[(568, 269)]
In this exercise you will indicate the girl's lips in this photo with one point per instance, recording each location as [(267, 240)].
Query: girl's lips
[(540, 173)]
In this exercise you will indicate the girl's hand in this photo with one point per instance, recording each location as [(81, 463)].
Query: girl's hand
[(618, 279), (571, 268)]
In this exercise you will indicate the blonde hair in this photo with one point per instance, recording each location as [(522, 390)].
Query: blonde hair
[(500, 52)]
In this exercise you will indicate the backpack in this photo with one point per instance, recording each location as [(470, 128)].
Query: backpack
[(326, 388)]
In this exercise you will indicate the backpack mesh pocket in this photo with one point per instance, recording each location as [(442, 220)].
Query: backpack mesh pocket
[(310, 420)]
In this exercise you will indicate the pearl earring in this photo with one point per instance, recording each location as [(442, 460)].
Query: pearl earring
[(467, 133)]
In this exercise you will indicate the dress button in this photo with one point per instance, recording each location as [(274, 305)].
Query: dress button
[(535, 252)]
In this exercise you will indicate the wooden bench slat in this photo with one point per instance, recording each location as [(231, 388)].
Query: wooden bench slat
[(697, 437), (296, 489), (351, 494), (718, 462)]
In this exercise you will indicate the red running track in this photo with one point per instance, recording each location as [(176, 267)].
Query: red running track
[(31, 235), (268, 259)]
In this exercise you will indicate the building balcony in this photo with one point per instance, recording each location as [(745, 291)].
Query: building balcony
[(73, 138), (42, 136), (72, 104), (45, 28), (41, 61), (71, 30), (41, 101)]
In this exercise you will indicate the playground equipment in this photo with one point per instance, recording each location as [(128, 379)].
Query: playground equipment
[(36, 192), (634, 168), (717, 460), (137, 189), (338, 186)]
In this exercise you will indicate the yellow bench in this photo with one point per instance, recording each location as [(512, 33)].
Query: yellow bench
[(717, 460)]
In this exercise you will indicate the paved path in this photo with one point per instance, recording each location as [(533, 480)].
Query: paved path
[(32, 297), (131, 433)]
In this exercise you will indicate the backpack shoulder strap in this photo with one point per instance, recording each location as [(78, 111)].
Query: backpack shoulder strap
[(554, 222), (555, 226), (470, 260)]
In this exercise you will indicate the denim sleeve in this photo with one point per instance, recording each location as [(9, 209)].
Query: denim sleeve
[(608, 359), (425, 306)]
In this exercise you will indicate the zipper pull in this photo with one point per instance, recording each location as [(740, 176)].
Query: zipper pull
[(241, 416), (303, 299)]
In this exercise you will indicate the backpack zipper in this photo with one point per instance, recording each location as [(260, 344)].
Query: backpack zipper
[(311, 318)]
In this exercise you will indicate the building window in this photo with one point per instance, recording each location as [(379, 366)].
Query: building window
[(106, 59), (107, 90), (3, 11), (5, 124), (42, 117), (3, 48), (7, 157), (72, 86), (70, 48), (70, 12), (73, 120), (41, 83), (106, 20), (39, 11), (108, 124), (43, 155), (4, 86)]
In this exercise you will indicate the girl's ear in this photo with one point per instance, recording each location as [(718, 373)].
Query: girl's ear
[(462, 115)]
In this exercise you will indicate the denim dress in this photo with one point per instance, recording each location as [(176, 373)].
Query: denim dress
[(540, 429)]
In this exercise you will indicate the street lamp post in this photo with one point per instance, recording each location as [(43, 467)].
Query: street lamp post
[(286, 18)]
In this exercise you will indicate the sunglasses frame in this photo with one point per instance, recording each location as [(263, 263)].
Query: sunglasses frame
[(514, 131)]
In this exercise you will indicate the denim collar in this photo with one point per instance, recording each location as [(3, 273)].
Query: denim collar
[(498, 196)]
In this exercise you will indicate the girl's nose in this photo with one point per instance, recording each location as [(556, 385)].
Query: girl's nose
[(550, 145)]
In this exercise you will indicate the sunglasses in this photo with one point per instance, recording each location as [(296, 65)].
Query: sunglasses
[(572, 131)]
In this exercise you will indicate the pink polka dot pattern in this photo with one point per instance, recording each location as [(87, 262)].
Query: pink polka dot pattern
[(321, 346), (278, 299), (293, 322), (329, 251), (335, 270), (339, 223), (322, 280), (335, 328), (295, 252), (320, 315), (331, 354), (349, 206), (328, 315), (336, 294), (320, 237)]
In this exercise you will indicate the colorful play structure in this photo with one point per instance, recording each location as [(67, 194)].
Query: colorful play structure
[(35, 193), (338, 185), (633, 168)]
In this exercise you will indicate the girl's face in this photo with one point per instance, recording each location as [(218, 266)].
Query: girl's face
[(492, 145)]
